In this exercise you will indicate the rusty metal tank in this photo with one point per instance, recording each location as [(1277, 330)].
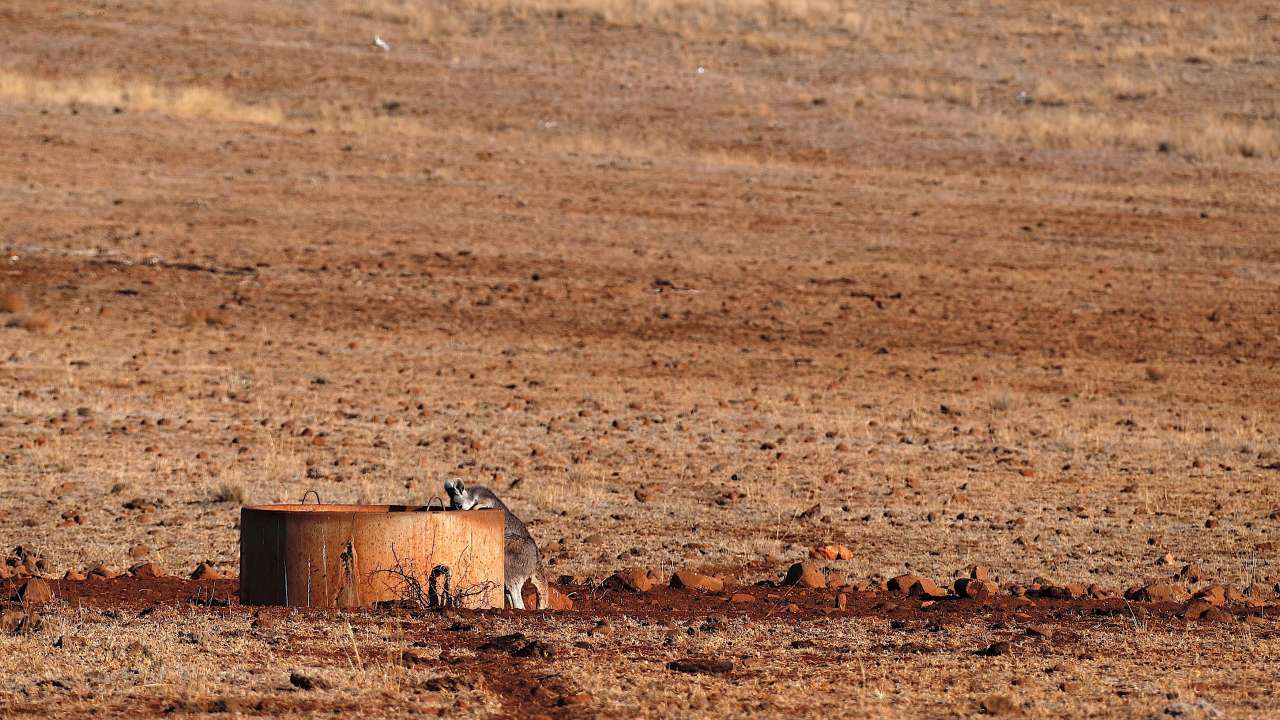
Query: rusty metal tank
[(314, 555)]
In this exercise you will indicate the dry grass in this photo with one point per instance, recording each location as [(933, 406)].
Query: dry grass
[(135, 96)]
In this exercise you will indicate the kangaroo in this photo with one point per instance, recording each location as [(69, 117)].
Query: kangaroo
[(522, 559)]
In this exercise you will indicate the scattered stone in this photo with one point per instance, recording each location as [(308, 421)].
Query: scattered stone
[(705, 666), (690, 580), (148, 570), (742, 598), (34, 591), (1158, 592), (73, 575), (805, 574), (980, 572), (630, 580)]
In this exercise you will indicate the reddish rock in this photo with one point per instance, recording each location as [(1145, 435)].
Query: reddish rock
[(805, 574), (73, 575), (742, 599), (148, 570), (1158, 592), (690, 580), (35, 591), (139, 551), (205, 571), (630, 580)]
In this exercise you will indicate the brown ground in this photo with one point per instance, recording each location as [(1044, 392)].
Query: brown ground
[(663, 312)]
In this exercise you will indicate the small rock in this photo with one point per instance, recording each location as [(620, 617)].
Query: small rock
[(139, 551), (742, 598), (805, 574), (980, 572), (73, 575), (690, 580)]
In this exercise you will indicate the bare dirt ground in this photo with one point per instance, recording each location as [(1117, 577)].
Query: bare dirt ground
[(692, 286)]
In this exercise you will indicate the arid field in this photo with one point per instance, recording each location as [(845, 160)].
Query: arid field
[(704, 286)]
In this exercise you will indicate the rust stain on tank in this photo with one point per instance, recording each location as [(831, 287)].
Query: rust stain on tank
[(357, 555)]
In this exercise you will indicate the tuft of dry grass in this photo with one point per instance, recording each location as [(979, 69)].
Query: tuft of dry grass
[(136, 96)]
